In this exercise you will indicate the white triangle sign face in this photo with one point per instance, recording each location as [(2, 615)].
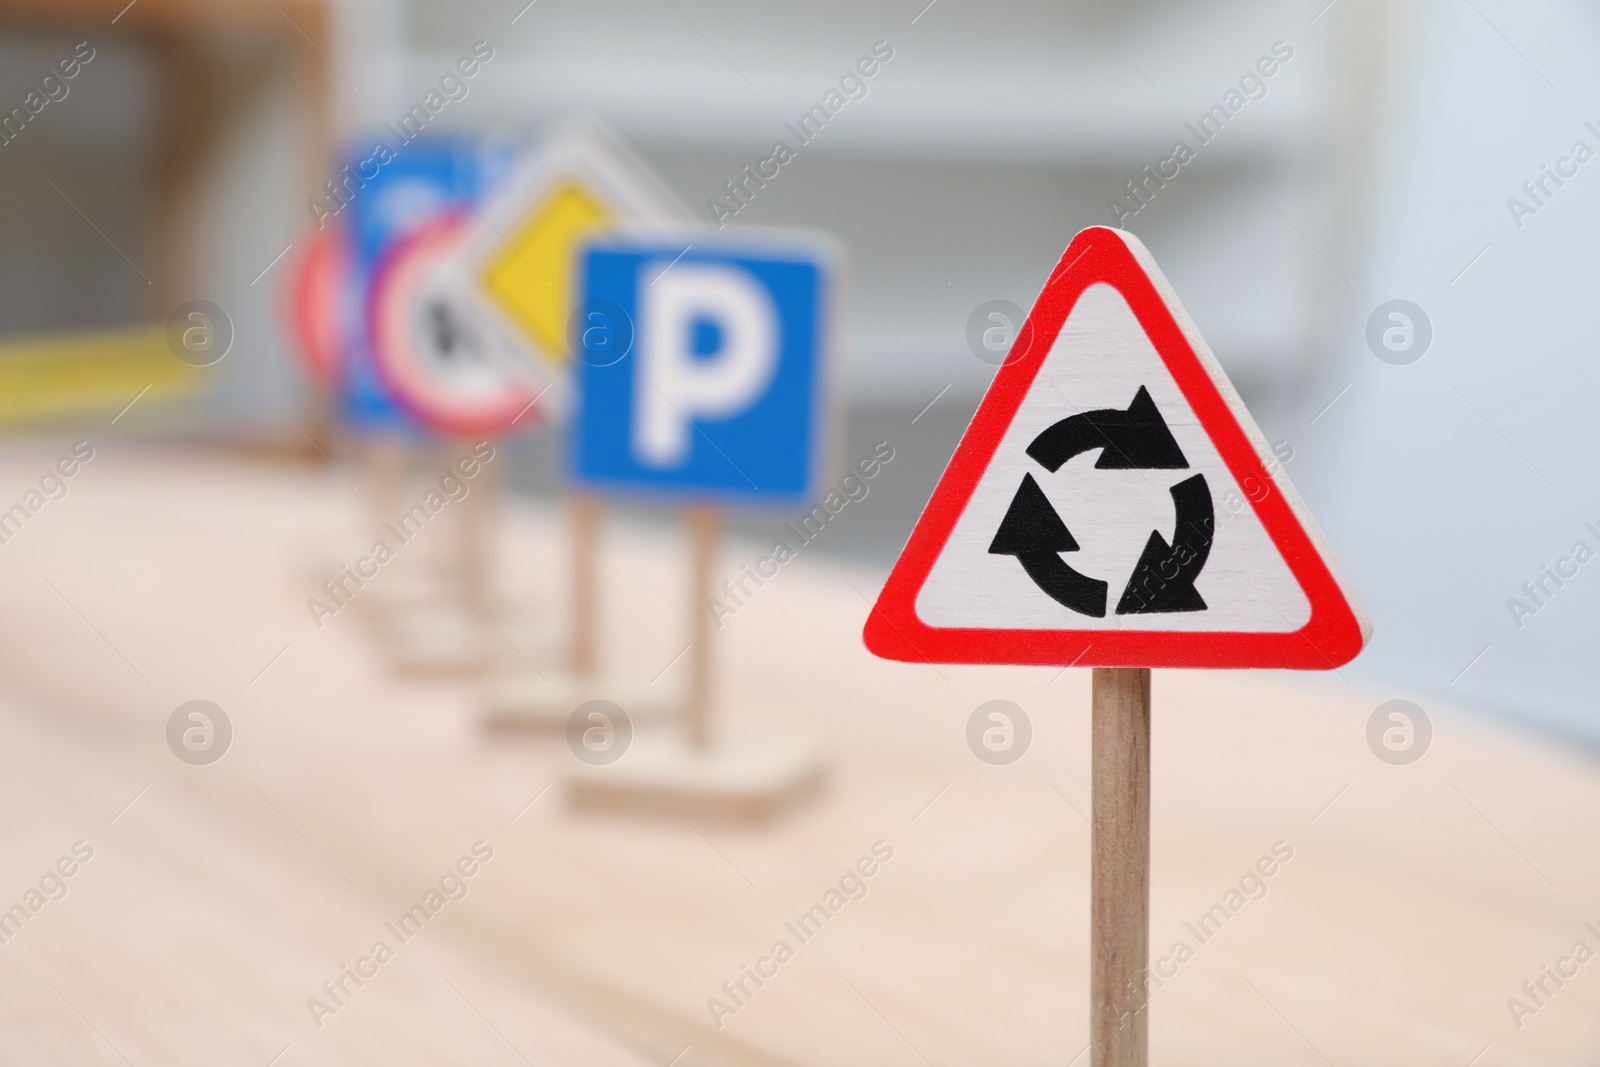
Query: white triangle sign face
[(1104, 363), (1113, 504)]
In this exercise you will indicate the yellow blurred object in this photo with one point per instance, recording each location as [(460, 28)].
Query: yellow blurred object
[(58, 374), (534, 278)]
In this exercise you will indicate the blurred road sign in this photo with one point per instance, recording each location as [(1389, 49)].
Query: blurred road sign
[(449, 371), (517, 259), (420, 184), (319, 299), (701, 365), (1189, 547)]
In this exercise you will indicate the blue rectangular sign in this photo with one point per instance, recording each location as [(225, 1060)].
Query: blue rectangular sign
[(397, 193), (700, 362)]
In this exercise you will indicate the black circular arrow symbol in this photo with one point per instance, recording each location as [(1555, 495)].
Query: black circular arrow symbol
[(1133, 439), (1163, 579), (1035, 534)]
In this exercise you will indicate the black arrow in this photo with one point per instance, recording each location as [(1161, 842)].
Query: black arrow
[(1135, 439), (1163, 579), (1035, 534)]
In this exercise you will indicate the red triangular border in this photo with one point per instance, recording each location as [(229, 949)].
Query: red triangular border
[(1338, 627)]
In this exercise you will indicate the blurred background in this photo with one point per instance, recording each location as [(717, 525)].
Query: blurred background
[(1398, 152)]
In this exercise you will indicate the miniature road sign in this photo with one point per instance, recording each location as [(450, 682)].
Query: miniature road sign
[(450, 372), (455, 310), (393, 196), (517, 261), (318, 303), (702, 366), (1113, 504), (701, 372), (1111, 435), (412, 188)]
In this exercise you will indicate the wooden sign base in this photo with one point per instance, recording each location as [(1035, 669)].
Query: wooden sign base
[(1119, 928), (739, 779), (530, 704), (431, 607), (442, 642), (408, 591), (424, 625), (691, 772)]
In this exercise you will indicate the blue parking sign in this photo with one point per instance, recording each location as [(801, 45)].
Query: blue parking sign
[(701, 366)]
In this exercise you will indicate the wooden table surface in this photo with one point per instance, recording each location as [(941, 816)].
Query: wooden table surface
[(1417, 900)]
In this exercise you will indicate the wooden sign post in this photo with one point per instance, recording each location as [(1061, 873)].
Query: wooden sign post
[(582, 652), (1119, 894), (1108, 365), (705, 525)]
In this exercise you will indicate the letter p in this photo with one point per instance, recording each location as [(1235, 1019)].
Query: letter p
[(677, 384)]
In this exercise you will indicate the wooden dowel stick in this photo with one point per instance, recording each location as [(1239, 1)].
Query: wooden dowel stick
[(585, 512), (386, 478), (1119, 926), (476, 527), (705, 524)]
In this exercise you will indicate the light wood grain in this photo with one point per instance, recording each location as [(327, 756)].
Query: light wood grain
[(476, 522), (705, 528), (583, 516), (1120, 891), (1394, 935)]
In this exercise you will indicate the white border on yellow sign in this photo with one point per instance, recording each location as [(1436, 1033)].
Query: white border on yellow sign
[(516, 267)]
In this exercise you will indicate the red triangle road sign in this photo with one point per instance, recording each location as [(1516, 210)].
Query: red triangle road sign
[(1113, 504)]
